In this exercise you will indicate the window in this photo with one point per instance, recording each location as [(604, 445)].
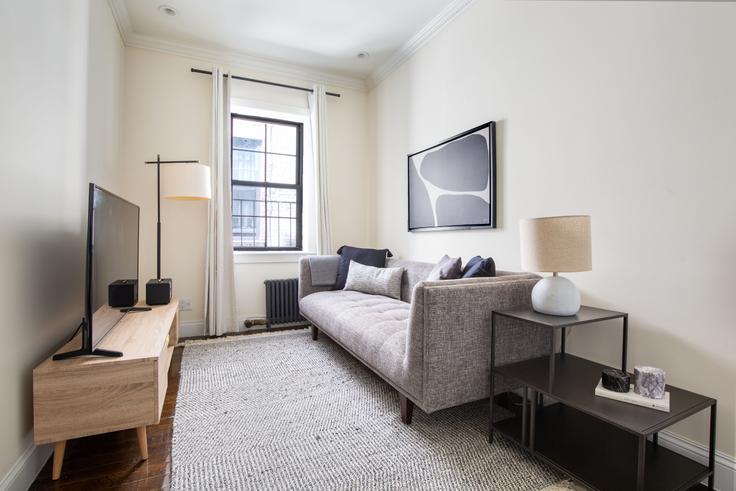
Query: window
[(266, 159)]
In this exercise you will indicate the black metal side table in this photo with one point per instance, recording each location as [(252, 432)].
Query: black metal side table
[(586, 315), (600, 442)]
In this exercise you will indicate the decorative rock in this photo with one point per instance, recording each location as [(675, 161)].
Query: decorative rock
[(649, 382), (615, 380)]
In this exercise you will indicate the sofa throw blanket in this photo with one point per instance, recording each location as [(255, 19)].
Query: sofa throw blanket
[(376, 281), (324, 270)]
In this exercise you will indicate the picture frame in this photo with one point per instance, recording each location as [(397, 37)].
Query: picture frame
[(452, 184)]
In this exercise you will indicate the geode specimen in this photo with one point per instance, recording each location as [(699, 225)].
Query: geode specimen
[(615, 380), (649, 382)]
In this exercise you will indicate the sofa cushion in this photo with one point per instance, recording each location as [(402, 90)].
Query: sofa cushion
[(414, 272), (478, 267), (373, 327), (447, 268), (369, 257), (377, 281)]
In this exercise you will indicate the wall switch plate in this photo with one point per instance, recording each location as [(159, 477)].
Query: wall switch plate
[(185, 304)]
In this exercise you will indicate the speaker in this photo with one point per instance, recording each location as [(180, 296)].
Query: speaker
[(158, 292), (122, 293)]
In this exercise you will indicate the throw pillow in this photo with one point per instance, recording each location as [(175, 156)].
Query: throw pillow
[(376, 281), (478, 267), (448, 268), (369, 257)]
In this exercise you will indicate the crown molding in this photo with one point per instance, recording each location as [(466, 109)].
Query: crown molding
[(122, 19), (233, 59), (422, 37), (279, 67)]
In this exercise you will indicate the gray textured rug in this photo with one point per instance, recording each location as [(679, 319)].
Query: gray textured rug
[(279, 411)]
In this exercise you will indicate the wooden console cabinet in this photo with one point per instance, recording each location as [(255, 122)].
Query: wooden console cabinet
[(92, 395)]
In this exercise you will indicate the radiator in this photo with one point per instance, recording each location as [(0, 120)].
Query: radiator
[(282, 302)]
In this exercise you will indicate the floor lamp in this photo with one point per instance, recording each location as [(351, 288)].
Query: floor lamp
[(186, 180)]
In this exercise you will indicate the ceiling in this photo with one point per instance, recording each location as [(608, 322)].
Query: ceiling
[(320, 35)]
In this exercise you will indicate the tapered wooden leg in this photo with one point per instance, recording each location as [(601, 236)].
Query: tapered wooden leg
[(407, 409), (142, 442), (58, 459), (315, 333)]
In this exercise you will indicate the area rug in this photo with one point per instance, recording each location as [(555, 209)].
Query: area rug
[(280, 411)]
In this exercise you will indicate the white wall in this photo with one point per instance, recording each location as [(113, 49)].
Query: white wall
[(59, 130), (167, 111), (623, 110)]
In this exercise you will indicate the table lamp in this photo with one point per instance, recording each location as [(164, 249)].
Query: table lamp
[(556, 245), (188, 180)]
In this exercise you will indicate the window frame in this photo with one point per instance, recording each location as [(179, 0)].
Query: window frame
[(298, 186)]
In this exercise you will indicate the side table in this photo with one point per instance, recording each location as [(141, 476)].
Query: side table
[(602, 443)]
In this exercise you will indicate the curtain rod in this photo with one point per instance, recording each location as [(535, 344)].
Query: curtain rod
[(265, 82)]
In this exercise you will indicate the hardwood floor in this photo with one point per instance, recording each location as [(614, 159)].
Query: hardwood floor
[(112, 461)]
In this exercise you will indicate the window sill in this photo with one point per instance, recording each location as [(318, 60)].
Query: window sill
[(262, 257)]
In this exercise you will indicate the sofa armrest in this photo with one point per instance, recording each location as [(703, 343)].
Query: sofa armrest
[(454, 334), (305, 278)]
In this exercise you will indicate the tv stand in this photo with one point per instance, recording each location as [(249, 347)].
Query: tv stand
[(122, 388)]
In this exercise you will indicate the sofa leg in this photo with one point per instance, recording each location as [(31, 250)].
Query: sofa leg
[(315, 333), (407, 409)]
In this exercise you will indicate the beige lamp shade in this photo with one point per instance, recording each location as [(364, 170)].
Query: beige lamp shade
[(556, 244), (186, 182)]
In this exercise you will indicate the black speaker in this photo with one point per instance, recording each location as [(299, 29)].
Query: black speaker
[(122, 293), (158, 292)]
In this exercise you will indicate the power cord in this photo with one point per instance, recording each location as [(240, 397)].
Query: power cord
[(76, 330)]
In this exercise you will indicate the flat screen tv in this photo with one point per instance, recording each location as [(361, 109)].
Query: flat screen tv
[(111, 256)]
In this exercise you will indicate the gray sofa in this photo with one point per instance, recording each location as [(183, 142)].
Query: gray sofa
[(433, 345)]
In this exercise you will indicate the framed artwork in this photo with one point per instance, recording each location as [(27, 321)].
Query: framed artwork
[(452, 185)]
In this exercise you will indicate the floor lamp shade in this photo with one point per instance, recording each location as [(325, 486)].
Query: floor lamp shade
[(186, 182), (556, 245)]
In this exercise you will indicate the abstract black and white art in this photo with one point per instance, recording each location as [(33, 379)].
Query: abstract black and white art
[(453, 184)]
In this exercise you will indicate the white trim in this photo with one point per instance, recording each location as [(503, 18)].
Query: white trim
[(226, 57), (725, 479), (422, 37), (188, 329), (24, 471), (256, 257)]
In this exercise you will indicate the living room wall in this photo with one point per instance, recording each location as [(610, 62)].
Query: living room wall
[(620, 110), (61, 102), (168, 111)]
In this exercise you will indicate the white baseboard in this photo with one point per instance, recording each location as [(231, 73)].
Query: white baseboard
[(188, 329), (24, 471), (725, 479)]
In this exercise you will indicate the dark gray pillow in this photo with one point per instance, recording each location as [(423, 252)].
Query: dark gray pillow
[(368, 257), (478, 267), (447, 268)]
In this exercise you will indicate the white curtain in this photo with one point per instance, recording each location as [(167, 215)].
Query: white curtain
[(318, 116), (220, 277)]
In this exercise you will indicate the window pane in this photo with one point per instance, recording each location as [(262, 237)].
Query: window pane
[(282, 224), (281, 169), (248, 135), (248, 216), (281, 139), (248, 166)]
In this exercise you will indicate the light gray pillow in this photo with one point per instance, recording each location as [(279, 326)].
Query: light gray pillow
[(376, 281), (447, 268)]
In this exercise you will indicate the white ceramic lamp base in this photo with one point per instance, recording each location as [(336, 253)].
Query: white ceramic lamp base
[(555, 295)]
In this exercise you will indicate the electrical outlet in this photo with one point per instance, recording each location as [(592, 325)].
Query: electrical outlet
[(185, 304)]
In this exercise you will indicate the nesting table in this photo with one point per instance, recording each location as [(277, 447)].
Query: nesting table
[(603, 443)]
